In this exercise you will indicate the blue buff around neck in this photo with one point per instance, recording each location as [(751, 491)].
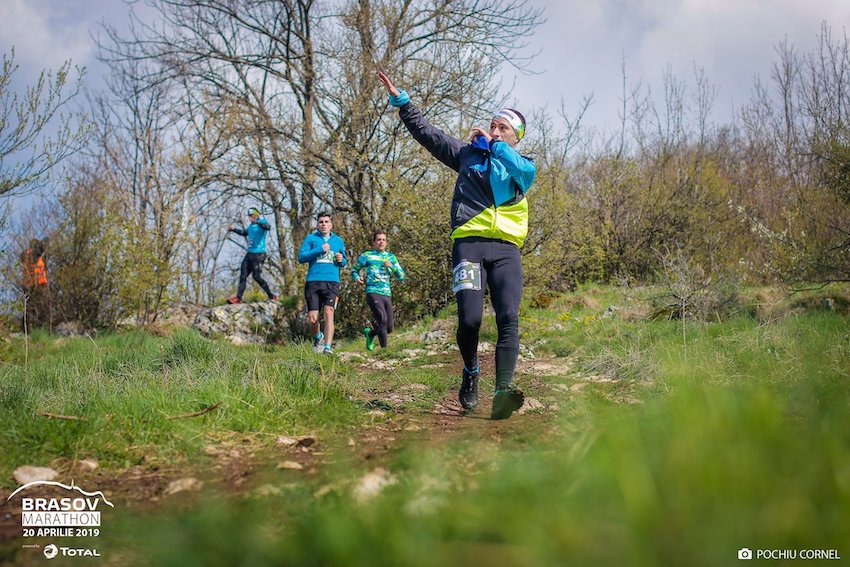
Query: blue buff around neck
[(480, 142)]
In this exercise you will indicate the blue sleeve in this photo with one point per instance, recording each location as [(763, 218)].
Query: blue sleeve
[(520, 168), (400, 100), (308, 253), (264, 224)]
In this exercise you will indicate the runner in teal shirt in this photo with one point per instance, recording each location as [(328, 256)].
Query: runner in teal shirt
[(380, 267)]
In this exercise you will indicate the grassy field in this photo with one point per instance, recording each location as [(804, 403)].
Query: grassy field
[(654, 443)]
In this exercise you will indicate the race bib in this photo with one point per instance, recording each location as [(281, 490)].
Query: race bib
[(466, 275), (326, 258)]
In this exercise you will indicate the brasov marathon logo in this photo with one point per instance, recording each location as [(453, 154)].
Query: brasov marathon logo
[(75, 516)]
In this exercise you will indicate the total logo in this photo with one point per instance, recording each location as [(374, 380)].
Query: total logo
[(51, 551)]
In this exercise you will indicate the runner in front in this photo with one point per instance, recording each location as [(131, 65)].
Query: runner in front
[(489, 219), (325, 252)]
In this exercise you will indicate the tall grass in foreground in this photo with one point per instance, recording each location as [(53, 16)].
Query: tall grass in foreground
[(740, 440), (125, 387)]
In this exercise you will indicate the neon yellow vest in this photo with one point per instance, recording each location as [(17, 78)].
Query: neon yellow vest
[(507, 222)]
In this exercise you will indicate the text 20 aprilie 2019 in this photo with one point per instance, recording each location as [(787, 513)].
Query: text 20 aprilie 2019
[(61, 532)]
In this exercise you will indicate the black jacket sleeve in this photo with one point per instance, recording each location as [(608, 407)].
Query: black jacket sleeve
[(240, 231), (442, 146)]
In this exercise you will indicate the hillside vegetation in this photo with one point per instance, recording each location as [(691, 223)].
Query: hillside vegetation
[(645, 440)]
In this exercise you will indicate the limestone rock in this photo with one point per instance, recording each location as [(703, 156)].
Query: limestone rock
[(29, 473), (530, 404), (87, 465), (434, 336), (189, 484), (302, 441), (372, 483), (180, 313), (243, 323)]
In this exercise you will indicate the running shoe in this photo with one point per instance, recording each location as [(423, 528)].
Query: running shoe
[(327, 350), (370, 338), (317, 341), (234, 300), (468, 394), (506, 402)]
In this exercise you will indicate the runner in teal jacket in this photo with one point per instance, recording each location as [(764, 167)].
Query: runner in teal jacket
[(380, 267)]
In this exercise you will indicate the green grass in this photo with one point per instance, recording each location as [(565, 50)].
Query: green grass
[(124, 387), (686, 478), (735, 435)]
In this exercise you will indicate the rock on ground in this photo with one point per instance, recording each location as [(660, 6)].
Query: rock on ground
[(29, 473), (372, 483), (189, 484), (244, 322)]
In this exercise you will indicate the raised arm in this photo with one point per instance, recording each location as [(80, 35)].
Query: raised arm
[(442, 146)]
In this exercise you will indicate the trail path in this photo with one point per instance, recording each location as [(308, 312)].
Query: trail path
[(401, 415)]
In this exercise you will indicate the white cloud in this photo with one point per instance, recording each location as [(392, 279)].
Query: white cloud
[(585, 42), (733, 40), (47, 33)]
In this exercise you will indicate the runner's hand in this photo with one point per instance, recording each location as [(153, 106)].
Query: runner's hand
[(326, 247), (338, 258), (387, 83), (478, 131), (388, 264)]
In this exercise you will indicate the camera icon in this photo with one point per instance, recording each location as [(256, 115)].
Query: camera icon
[(745, 553)]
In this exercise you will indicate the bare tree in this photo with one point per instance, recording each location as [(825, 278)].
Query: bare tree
[(801, 127), (35, 133), (305, 122), (155, 146)]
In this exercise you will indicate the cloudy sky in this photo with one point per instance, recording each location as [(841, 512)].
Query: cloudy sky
[(583, 44)]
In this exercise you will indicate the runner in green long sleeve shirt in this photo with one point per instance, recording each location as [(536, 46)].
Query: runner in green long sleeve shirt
[(380, 267)]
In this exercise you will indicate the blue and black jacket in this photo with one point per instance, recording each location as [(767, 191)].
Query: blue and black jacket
[(489, 195)]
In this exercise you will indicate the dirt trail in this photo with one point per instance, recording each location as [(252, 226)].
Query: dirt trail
[(242, 463)]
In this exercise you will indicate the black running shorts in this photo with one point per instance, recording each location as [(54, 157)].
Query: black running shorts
[(321, 294)]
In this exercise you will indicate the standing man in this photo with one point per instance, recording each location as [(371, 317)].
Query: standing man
[(255, 256), (380, 266), (325, 252), (489, 219)]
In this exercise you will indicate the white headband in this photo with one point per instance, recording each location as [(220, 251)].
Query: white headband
[(514, 120)]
